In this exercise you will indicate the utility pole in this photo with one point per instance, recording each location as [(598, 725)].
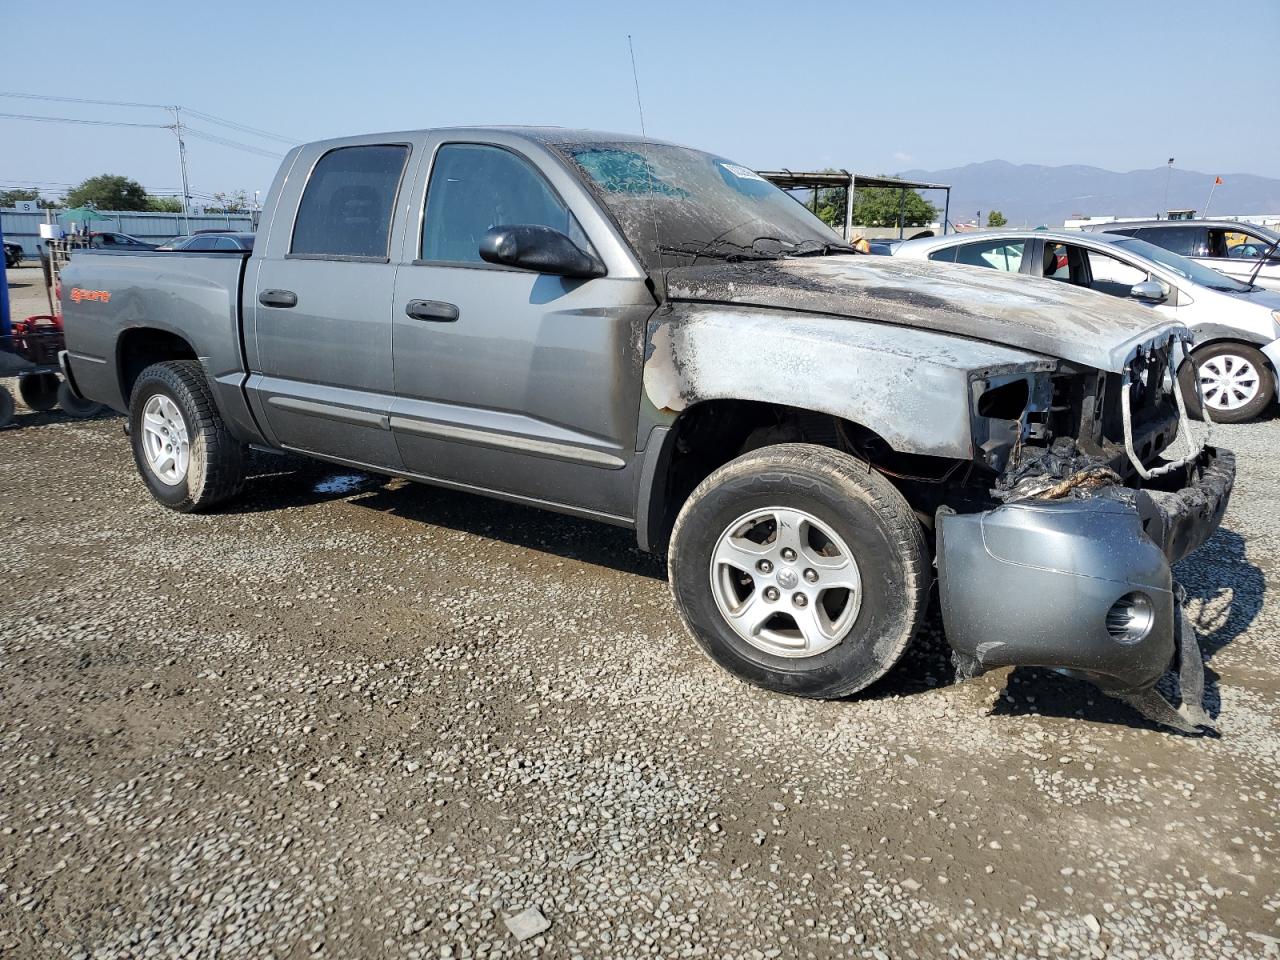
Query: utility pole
[(1167, 177), (182, 159)]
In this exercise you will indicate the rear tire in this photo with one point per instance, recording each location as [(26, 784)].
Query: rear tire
[(74, 406), (1235, 379), (184, 452), (39, 391), (831, 504), (6, 407)]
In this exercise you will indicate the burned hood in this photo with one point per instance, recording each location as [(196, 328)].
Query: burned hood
[(1041, 316)]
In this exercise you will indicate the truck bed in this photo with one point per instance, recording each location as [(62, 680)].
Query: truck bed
[(196, 296)]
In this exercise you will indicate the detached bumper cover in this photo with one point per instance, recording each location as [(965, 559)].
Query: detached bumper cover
[(1030, 583)]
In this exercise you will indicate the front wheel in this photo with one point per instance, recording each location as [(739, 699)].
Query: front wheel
[(1234, 379), (799, 570), (186, 456)]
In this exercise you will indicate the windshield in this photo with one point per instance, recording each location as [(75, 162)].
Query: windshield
[(673, 203), (1183, 267)]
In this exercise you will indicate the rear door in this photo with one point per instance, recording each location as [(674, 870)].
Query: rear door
[(508, 380), (321, 303)]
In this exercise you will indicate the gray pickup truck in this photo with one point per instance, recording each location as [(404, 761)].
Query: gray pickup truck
[(655, 337)]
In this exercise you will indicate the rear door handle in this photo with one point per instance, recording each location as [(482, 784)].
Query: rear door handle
[(278, 298), (436, 310)]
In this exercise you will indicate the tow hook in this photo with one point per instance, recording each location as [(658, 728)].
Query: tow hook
[(1189, 716)]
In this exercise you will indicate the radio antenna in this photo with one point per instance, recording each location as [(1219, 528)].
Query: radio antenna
[(644, 139)]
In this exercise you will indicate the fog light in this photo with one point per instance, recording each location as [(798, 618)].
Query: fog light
[(1130, 618)]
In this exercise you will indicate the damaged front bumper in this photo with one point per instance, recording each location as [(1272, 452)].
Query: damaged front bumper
[(1080, 585)]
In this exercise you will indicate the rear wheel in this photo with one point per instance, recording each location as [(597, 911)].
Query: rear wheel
[(6, 407), (799, 570), (74, 406), (39, 391), (186, 456), (1234, 379)]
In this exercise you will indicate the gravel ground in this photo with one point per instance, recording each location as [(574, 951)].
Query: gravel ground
[(352, 719)]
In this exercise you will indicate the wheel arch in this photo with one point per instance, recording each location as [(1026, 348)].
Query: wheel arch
[(139, 347), (708, 434)]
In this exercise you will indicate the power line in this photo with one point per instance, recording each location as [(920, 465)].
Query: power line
[(245, 128), (96, 123), (242, 127), (214, 138), (105, 103)]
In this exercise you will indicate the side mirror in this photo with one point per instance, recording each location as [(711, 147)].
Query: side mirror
[(1152, 291), (541, 249)]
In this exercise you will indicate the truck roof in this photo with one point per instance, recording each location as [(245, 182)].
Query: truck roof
[(536, 134)]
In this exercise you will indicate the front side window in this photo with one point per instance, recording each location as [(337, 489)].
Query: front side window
[(475, 188), (347, 206), (996, 254), (1113, 276)]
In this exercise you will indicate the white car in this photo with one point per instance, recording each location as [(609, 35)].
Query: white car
[(1236, 325), (1243, 251)]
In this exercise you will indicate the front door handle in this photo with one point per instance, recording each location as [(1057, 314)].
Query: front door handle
[(436, 310), (278, 298)]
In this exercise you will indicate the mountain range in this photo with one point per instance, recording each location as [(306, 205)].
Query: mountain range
[(1030, 194)]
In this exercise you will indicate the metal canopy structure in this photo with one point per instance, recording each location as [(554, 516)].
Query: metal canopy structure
[(849, 182)]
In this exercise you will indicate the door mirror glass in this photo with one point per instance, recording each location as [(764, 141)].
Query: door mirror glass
[(1152, 291), (531, 246)]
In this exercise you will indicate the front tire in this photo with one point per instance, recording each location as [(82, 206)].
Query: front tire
[(798, 569), (1235, 381), (184, 452)]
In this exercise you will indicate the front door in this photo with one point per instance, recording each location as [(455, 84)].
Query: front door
[(321, 303), (507, 380)]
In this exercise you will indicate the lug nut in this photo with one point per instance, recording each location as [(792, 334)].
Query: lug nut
[(800, 600), (771, 594), (788, 554), (764, 566), (811, 575)]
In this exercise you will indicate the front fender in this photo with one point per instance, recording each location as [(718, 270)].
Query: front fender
[(909, 386)]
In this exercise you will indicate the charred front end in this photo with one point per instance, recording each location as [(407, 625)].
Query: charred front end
[(1094, 487)]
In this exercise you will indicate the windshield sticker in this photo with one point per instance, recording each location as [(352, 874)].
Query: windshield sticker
[(741, 172)]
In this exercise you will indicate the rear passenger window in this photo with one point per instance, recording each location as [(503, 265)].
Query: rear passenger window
[(474, 188), (997, 254), (347, 206), (1187, 241)]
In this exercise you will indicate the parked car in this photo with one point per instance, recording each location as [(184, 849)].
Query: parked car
[(655, 337), (883, 248), (1236, 326), (12, 253), (110, 240), (1242, 251), (210, 242)]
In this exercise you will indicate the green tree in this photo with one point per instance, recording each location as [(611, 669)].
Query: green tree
[(996, 219), (164, 204), (879, 207), (109, 191), (236, 202), (10, 197)]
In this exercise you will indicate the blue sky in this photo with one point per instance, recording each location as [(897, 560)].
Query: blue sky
[(872, 87)]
